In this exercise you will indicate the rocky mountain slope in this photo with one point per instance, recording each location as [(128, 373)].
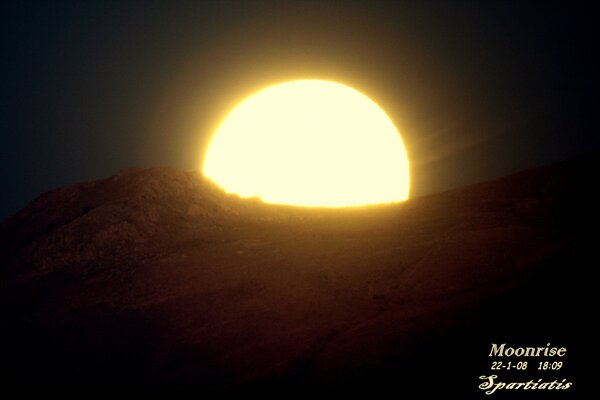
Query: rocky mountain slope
[(155, 278)]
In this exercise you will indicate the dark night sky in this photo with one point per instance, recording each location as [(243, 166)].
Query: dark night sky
[(478, 91)]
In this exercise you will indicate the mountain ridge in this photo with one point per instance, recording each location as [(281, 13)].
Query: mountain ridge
[(158, 275)]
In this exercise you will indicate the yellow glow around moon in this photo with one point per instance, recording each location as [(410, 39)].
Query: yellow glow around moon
[(309, 143)]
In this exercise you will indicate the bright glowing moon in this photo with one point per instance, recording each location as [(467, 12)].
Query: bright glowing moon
[(309, 143)]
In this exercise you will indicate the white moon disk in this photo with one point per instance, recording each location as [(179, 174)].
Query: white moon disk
[(309, 143)]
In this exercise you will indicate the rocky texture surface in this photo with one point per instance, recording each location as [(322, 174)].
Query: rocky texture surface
[(155, 278)]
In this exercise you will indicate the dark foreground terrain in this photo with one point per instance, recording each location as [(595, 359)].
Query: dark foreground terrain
[(155, 279)]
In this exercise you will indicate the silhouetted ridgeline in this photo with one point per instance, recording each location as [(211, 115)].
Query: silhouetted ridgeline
[(155, 278)]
